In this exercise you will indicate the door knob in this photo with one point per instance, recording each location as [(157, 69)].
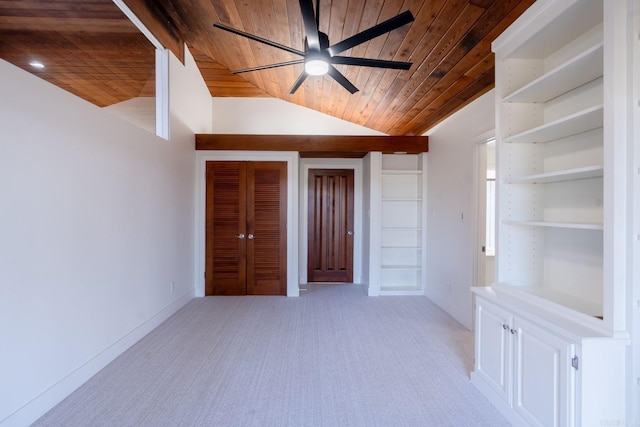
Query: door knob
[(350, 233), (250, 236), (240, 236)]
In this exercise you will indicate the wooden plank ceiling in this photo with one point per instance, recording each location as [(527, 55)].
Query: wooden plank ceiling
[(91, 49)]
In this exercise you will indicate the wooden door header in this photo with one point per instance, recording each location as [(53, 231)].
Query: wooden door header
[(315, 145)]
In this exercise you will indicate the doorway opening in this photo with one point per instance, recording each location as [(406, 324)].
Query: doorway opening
[(486, 214)]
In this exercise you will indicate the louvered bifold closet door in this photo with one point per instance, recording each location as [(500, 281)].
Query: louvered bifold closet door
[(266, 228), (225, 264), (246, 236)]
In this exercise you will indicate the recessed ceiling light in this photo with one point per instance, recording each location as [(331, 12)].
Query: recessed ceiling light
[(36, 64)]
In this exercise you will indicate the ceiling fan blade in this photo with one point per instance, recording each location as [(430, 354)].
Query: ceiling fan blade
[(310, 24), (258, 39), (266, 67), (371, 33), (301, 78), (340, 78), (366, 62)]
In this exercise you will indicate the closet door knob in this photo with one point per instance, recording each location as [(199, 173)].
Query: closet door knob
[(240, 236), (250, 236)]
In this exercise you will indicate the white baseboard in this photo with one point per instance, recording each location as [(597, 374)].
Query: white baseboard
[(42, 403)]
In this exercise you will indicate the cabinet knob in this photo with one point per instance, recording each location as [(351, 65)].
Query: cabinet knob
[(514, 331), (505, 326)]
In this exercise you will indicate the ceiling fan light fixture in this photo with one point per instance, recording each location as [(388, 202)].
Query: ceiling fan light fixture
[(319, 56), (316, 65)]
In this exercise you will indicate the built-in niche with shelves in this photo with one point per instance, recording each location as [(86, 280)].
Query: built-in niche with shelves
[(402, 224)]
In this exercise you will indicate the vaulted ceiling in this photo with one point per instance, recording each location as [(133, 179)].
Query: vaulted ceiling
[(90, 48)]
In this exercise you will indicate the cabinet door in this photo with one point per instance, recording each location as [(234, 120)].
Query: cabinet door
[(493, 347), (542, 381)]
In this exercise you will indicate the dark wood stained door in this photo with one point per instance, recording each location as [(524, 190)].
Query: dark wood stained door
[(330, 239), (246, 228), (225, 245), (267, 228)]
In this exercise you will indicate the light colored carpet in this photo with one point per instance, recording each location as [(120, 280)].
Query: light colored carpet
[(332, 357)]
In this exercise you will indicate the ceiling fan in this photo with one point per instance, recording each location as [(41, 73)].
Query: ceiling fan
[(319, 56)]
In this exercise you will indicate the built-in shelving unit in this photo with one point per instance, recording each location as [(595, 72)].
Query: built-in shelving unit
[(402, 227), (562, 100), (550, 154)]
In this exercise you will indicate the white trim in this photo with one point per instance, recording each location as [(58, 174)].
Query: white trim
[(292, 159), (633, 396), (162, 93), (356, 165)]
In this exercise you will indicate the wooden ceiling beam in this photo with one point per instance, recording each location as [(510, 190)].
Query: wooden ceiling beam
[(315, 145)]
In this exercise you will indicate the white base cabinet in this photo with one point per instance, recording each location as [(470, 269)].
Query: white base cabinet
[(542, 372)]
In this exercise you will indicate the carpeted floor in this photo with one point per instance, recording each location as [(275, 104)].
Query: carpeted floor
[(332, 357)]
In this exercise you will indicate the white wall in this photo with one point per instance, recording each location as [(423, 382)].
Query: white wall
[(450, 206), (96, 236), (139, 111), (264, 116)]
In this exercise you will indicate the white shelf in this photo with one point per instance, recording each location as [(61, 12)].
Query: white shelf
[(400, 290), (401, 172), (549, 224), (401, 267), (559, 176), (403, 228), (544, 295), (580, 70), (582, 121)]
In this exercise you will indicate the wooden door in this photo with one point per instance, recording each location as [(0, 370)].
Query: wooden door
[(245, 236), (225, 242), (267, 228), (330, 237)]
